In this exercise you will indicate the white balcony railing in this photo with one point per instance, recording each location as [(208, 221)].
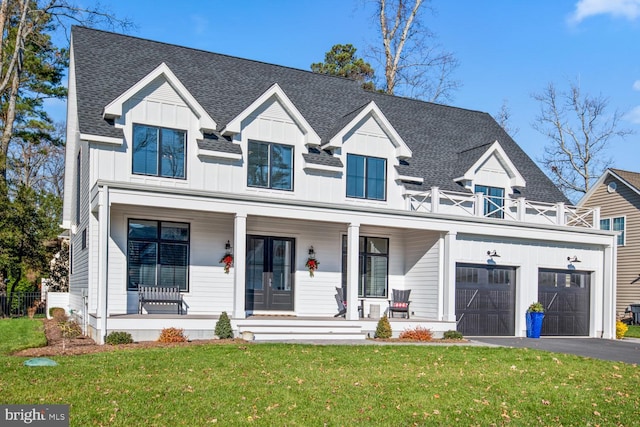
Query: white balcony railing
[(520, 209)]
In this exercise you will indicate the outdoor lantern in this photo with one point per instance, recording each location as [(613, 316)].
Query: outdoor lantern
[(312, 253), (493, 253), (573, 259), (227, 248)]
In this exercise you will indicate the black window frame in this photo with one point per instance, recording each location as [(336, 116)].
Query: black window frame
[(158, 240), (159, 143), (363, 272), (493, 205), (366, 190), (270, 164)]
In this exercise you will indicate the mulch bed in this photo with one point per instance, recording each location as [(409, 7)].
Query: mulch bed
[(85, 345)]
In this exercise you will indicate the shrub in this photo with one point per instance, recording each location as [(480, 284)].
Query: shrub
[(119, 337), (621, 329), (172, 335), (223, 327), (58, 314), (417, 334), (452, 335), (70, 329), (383, 330)]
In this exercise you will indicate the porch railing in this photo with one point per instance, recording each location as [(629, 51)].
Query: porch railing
[(520, 209)]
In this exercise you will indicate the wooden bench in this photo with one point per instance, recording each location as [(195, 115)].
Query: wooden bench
[(159, 295)]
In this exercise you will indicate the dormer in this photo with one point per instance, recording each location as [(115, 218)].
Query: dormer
[(489, 165), (274, 96), (155, 80), (356, 120)]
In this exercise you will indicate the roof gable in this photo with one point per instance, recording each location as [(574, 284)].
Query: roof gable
[(495, 149), (630, 179), (114, 109), (276, 92), (355, 118)]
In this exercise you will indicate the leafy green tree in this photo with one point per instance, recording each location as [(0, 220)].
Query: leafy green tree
[(342, 61), (32, 67), (28, 223)]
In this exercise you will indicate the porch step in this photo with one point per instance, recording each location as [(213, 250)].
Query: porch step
[(277, 330)]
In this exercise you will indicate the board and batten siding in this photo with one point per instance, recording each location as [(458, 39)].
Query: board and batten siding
[(79, 278), (421, 263), (622, 202)]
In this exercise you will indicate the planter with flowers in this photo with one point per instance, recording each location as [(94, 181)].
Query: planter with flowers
[(534, 316)]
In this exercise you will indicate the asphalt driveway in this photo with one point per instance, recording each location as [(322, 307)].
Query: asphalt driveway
[(627, 350)]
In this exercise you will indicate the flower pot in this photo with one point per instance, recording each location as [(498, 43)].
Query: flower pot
[(534, 324)]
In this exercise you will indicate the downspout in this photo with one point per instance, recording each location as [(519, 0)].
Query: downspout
[(103, 245)]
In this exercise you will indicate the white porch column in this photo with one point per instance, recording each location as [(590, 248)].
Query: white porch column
[(353, 270), (448, 267), (103, 261), (239, 264), (435, 199), (609, 280), (522, 209), (560, 219)]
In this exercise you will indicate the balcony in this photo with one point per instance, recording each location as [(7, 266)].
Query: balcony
[(520, 209)]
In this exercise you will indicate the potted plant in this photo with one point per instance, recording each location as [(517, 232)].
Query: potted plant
[(534, 316)]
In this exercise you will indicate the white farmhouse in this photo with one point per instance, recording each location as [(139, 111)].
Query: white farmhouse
[(177, 157)]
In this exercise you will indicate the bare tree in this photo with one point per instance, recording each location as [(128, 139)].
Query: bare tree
[(39, 163), (414, 64), (579, 130), (503, 117)]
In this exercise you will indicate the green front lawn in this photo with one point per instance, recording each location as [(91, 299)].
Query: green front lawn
[(284, 384), (21, 333), (633, 332)]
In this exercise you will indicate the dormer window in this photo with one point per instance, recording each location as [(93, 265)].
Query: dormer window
[(366, 177), (493, 201), (270, 165), (159, 151)]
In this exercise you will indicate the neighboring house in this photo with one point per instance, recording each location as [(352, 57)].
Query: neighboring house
[(617, 194), (173, 152)]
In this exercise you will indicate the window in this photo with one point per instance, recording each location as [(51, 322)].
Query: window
[(270, 166), (493, 201), (563, 279), (366, 177), (373, 266), (157, 254), (159, 151), (615, 224)]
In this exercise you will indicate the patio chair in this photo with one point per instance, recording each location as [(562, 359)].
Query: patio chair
[(400, 302), (342, 304)]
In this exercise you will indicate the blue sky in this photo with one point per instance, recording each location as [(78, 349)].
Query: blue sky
[(507, 49)]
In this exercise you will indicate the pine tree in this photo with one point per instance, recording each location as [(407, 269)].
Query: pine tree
[(383, 330), (223, 327)]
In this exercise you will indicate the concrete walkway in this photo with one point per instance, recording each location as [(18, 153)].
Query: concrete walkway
[(626, 350)]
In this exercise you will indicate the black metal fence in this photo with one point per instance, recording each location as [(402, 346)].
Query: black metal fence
[(18, 304)]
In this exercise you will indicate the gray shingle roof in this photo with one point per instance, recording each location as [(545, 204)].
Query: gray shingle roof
[(107, 64), (321, 157), (216, 142)]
